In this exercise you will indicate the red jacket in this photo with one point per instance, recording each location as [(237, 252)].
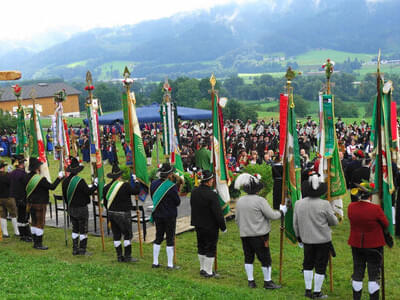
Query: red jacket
[(366, 225)]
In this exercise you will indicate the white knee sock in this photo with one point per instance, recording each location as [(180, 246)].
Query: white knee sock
[(308, 276), (357, 285), (127, 243), (373, 286), (15, 225), (117, 244), (318, 281), (249, 271), (208, 265), (170, 256), (267, 273), (4, 226), (39, 231), (74, 235), (33, 230), (156, 253), (201, 260)]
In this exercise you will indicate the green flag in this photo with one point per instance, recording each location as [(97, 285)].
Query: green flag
[(293, 170), (21, 131), (134, 139), (221, 171), (328, 149), (385, 171)]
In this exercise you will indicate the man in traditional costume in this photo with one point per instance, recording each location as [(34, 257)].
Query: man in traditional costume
[(203, 157), (7, 203), (207, 218), (117, 199), (76, 194), (166, 200), (253, 215), (367, 225), (312, 219), (18, 179), (37, 195)]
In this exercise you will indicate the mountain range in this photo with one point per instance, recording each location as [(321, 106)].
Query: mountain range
[(225, 39)]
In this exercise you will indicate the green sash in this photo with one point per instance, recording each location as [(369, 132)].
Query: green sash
[(72, 187), (112, 192), (159, 194), (32, 184)]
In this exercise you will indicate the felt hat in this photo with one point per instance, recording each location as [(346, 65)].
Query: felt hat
[(206, 175), (74, 167), (115, 172), (313, 187), (34, 164), (165, 170), (250, 184)]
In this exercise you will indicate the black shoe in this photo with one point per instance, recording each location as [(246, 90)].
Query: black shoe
[(6, 236), (270, 285), (75, 246), (38, 243), (173, 267), (213, 275), (82, 248), (251, 284), (128, 255), (308, 294), (202, 272), (319, 295), (154, 266)]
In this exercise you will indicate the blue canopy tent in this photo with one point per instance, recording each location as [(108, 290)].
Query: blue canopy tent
[(151, 113)]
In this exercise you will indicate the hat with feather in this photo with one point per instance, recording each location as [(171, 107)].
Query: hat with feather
[(250, 184)]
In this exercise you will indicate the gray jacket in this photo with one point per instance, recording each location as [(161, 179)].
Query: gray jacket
[(253, 214), (311, 220)]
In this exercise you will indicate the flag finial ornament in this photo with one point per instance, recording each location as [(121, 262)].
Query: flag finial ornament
[(213, 81), (33, 94), (89, 78)]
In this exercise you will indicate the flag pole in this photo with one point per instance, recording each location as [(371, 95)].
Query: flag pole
[(93, 163), (213, 81), (283, 195), (380, 162), (59, 98), (127, 84), (328, 73)]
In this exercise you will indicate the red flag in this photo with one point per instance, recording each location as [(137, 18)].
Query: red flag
[(283, 112)]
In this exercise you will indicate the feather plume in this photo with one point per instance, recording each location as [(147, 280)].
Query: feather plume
[(243, 179), (314, 181)]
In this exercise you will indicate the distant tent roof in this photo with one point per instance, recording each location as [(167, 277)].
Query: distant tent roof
[(151, 113)]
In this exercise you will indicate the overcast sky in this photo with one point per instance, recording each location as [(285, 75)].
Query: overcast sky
[(22, 19), (25, 19)]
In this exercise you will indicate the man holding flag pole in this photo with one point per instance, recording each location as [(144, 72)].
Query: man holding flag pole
[(135, 154), (96, 161)]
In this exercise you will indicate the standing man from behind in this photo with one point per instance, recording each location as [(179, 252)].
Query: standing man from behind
[(37, 194), (76, 194), (207, 219), (253, 216), (117, 199), (7, 203), (166, 200), (18, 179), (312, 219), (367, 224)]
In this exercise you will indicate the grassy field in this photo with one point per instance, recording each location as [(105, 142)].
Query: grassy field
[(56, 274), (318, 57), (249, 77), (114, 66), (386, 69)]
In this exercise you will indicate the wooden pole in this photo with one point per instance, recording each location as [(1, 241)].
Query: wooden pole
[(380, 161), (213, 82), (93, 163), (132, 144), (284, 165)]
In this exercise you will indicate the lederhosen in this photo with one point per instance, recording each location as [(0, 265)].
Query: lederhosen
[(121, 224), (37, 210), (79, 215)]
